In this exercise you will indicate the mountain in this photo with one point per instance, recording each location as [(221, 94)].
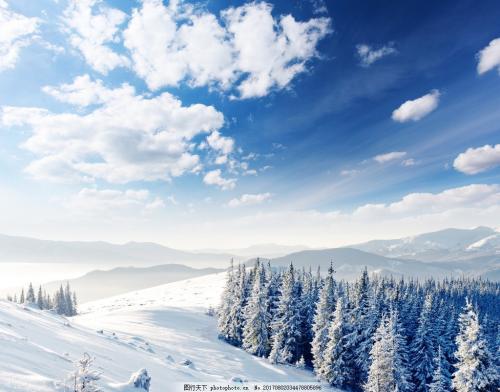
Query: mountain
[(30, 250), (444, 245), (163, 329), (261, 250), (348, 263), (101, 284)]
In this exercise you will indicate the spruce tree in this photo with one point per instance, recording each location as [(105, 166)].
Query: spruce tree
[(21, 297), (39, 298), (30, 295), (441, 379), (226, 304), (322, 319), (423, 351), (387, 371), (68, 301), (256, 317), (337, 364), (286, 328), (475, 367), (364, 324)]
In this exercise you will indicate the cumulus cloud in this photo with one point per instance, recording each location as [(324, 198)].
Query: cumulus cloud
[(214, 177), (126, 137), (16, 32), (220, 143), (84, 91), (478, 160), (390, 156), (92, 27), (93, 200), (249, 199), (368, 55), (414, 110), (489, 57), (248, 48)]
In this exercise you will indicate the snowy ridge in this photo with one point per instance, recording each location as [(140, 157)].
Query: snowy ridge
[(163, 329)]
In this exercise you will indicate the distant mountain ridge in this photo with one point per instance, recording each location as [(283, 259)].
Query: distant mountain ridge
[(30, 250), (349, 262), (443, 245)]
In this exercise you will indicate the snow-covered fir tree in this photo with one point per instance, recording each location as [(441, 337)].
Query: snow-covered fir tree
[(30, 295), (423, 350), (21, 297), (387, 371), (322, 320), (256, 339), (441, 379), (364, 322), (475, 368), (286, 328), (39, 298), (337, 367), (226, 304)]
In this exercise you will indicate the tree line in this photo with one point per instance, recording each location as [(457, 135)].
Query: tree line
[(63, 301), (377, 334)]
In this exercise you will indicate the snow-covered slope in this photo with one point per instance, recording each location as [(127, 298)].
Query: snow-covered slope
[(158, 329)]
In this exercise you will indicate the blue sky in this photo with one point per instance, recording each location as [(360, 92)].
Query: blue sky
[(223, 124)]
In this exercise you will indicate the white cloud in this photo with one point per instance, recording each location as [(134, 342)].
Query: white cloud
[(489, 57), (470, 196), (214, 177), (127, 137), (84, 92), (478, 160), (248, 48), (220, 143), (369, 55), (16, 32), (390, 156), (416, 109), (92, 26), (249, 199), (93, 200)]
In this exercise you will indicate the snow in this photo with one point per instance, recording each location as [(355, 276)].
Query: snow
[(163, 329)]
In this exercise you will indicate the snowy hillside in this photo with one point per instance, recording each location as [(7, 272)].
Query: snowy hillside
[(161, 329)]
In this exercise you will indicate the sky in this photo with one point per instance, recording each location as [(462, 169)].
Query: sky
[(225, 124)]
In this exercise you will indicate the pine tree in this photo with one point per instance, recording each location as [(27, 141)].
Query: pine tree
[(286, 328), (475, 368), (337, 364), (30, 295), (364, 324), (59, 301), (75, 304), (388, 372), (68, 301), (226, 304), (423, 351), (255, 332), (21, 298), (322, 320), (308, 305), (39, 298), (441, 379)]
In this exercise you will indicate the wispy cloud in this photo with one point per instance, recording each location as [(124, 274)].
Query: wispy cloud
[(249, 199), (390, 156), (368, 55)]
